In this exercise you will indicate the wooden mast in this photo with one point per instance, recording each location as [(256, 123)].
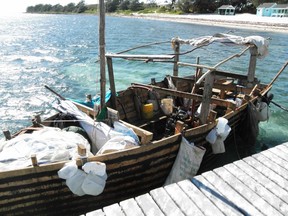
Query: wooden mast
[(102, 51)]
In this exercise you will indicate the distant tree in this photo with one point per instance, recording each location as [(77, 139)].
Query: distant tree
[(124, 5), (112, 5), (204, 6), (57, 8), (135, 5), (185, 6), (69, 8), (80, 7)]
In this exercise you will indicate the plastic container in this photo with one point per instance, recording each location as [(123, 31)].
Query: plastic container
[(155, 104), (147, 111), (222, 122), (167, 105)]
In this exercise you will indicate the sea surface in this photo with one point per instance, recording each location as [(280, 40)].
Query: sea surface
[(61, 51)]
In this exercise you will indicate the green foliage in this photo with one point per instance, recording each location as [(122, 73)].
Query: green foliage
[(48, 8), (135, 5), (176, 6)]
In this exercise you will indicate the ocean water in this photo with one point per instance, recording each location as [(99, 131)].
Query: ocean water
[(61, 51)]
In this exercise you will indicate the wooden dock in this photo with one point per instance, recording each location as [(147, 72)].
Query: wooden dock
[(256, 185)]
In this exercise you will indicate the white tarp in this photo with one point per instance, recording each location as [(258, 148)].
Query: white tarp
[(98, 132), (260, 42), (49, 145)]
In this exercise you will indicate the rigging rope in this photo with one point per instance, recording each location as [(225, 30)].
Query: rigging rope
[(280, 106)]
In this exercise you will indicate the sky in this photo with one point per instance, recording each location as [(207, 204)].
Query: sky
[(18, 6)]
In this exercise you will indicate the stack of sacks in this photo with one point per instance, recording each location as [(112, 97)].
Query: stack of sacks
[(91, 180), (123, 138), (48, 144), (99, 132)]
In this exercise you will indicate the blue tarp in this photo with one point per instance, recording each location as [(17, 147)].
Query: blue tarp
[(95, 100)]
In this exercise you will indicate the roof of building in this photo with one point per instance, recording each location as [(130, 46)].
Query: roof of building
[(226, 7), (266, 5), (284, 6)]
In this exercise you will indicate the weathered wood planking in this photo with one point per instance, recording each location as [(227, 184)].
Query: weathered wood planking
[(182, 200), (256, 185), (164, 201)]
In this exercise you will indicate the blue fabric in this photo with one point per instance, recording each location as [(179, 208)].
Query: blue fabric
[(95, 100)]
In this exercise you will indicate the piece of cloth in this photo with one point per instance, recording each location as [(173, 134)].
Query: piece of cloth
[(260, 42)]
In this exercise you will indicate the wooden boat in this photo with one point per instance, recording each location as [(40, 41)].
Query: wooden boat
[(38, 190)]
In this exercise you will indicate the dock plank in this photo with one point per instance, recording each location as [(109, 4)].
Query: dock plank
[(272, 165), (131, 208), (181, 199), (256, 185), (227, 207), (165, 203), (148, 206), (251, 196), (98, 212), (263, 180), (269, 173), (230, 194), (267, 195), (199, 198), (273, 157), (279, 152), (113, 210)]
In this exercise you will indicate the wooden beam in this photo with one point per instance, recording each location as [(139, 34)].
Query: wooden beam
[(207, 95), (146, 136), (112, 83), (176, 46), (102, 51), (187, 95), (252, 65), (34, 160), (111, 55)]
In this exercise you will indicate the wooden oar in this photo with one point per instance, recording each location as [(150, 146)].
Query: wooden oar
[(278, 74), (54, 92)]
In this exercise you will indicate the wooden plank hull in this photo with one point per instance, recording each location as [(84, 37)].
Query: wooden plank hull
[(39, 190)]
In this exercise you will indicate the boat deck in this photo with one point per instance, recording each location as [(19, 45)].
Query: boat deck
[(256, 185)]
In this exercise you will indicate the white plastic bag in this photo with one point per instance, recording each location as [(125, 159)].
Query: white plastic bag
[(119, 127), (94, 184), (75, 182), (94, 167), (217, 136), (117, 143), (68, 170), (187, 162), (263, 111)]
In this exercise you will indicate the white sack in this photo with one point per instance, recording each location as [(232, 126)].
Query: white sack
[(75, 182), (187, 162), (49, 145)]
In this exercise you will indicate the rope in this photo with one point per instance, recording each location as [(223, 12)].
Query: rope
[(280, 106)]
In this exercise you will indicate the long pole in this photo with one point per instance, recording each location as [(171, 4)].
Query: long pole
[(102, 51)]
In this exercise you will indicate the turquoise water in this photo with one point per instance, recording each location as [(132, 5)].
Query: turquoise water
[(61, 51)]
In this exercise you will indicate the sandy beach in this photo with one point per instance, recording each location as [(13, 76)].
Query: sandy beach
[(250, 21)]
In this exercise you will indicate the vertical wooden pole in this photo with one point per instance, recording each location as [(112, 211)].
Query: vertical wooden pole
[(176, 58), (112, 83), (7, 134), (102, 51), (252, 66), (34, 160), (207, 94)]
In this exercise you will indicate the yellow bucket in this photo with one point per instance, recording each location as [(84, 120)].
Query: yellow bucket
[(147, 111)]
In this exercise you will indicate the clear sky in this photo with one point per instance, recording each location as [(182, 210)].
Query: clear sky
[(17, 6)]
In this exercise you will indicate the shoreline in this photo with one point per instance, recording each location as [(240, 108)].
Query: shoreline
[(246, 21)]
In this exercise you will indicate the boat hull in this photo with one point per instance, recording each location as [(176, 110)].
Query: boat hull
[(38, 190)]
